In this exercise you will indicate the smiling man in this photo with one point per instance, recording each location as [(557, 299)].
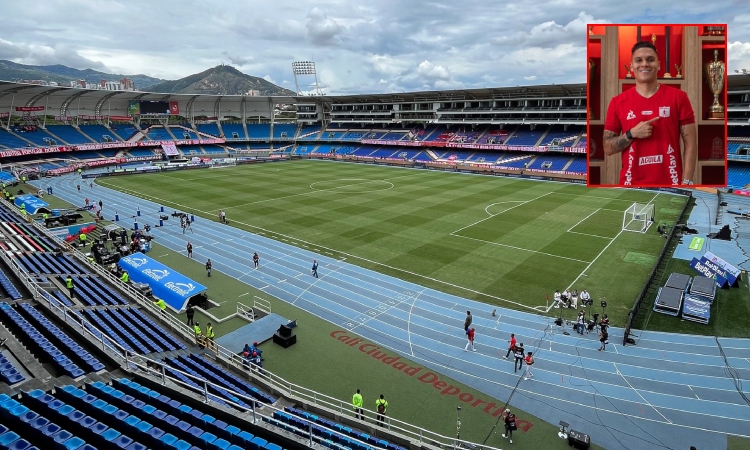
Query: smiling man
[(646, 124)]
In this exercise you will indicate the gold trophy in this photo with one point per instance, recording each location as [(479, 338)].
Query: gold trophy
[(628, 75), (715, 71), (591, 29), (679, 71)]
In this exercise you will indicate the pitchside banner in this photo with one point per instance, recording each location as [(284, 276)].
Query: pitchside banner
[(696, 308), (172, 287), (710, 270), (31, 203), (733, 273)]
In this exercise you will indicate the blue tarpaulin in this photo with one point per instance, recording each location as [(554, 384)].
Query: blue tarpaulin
[(167, 284), (31, 202)]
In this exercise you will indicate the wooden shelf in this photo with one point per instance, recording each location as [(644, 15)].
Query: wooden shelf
[(712, 122), (711, 162), (711, 38), (596, 122), (596, 37), (671, 81)]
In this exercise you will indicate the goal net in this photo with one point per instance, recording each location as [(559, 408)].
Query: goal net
[(638, 217)]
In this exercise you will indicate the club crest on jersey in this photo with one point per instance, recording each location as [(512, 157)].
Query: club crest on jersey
[(664, 111), (631, 116)]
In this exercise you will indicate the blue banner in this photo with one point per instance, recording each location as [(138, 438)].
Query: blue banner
[(732, 273), (696, 308), (708, 269), (172, 287), (31, 203)]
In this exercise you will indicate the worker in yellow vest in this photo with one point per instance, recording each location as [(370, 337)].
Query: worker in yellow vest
[(125, 277), (82, 237), (162, 305), (210, 336), (198, 334)]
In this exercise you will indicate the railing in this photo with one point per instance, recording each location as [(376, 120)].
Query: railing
[(131, 360)]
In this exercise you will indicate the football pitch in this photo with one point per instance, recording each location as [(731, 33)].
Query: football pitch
[(503, 241)]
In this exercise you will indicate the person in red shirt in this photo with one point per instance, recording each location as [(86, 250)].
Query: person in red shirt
[(511, 345), (646, 124), (470, 343)]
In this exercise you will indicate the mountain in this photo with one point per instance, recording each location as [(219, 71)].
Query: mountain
[(220, 80), (63, 75)]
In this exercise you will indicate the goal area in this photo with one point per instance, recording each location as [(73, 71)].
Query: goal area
[(638, 217)]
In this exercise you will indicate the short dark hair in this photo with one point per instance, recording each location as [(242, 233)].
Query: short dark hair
[(643, 44)]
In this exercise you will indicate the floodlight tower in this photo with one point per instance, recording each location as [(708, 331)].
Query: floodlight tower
[(305, 68)]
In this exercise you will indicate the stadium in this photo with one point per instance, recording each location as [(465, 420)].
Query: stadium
[(417, 207)]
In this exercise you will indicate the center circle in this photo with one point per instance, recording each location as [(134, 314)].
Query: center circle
[(352, 185)]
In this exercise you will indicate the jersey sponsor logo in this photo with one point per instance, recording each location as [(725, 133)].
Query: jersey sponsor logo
[(629, 172), (631, 116), (664, 111), (647, 113), (646, 160), (673, 167)]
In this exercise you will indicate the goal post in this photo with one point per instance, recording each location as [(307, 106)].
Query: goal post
[(638, 217)]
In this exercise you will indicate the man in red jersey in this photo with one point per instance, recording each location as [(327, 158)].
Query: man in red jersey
[(646, 124)]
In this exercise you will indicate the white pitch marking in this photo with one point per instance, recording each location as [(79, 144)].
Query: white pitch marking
[(639, 394), (691, 390)]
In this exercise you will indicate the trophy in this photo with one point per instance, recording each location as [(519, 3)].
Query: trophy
[(715, 71), (628, 75), (679, 71), (591, 29)]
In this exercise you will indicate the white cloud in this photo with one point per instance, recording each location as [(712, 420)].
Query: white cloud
[(321, 29), (359, 46)]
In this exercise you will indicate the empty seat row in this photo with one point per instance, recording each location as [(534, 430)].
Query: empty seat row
[(31, 427), (218, 391), (144, 344), (50, 330), (39, 343), (8, 287), (102, 294), (161, 332), (125, 315), (244, 385), (371, 440), (99, 323), (184, 413), (8, 372)]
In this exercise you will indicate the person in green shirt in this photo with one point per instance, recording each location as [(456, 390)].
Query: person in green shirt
[(357, 401), (210, 336), (198, 334), (161, 304), (70, 286), (381, 406), (125, 277)]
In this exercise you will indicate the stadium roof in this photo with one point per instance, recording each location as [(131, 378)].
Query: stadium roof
[(736, 82)]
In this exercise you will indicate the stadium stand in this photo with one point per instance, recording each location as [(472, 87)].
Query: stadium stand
[(259, 131), (9, 140), (234, 131), (68, 134), (211, 129)]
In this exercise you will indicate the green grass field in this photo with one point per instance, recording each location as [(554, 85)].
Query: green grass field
[(502, 241)]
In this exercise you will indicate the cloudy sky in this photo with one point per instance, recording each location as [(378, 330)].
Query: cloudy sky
[(358, 46)]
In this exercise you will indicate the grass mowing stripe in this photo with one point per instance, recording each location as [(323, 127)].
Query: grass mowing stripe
[(405, 231)]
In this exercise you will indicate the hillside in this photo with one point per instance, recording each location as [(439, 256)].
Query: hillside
[(10, 71), (220, 80)]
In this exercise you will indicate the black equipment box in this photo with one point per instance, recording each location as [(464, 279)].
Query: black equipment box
[(579, 440)]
